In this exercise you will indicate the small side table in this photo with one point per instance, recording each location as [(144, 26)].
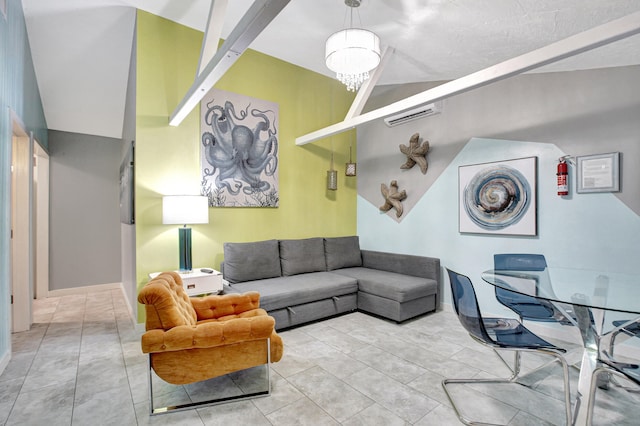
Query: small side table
[(198, 282)]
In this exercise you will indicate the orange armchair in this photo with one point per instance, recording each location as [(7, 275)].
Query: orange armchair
[(193, 339)]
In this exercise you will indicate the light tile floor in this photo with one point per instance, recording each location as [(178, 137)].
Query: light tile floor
[(81, 364)]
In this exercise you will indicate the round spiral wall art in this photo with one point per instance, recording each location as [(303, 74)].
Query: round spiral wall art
[(498, 197)]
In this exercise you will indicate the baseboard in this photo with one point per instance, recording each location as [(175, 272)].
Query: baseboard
[(446, 307), (130, 306), (4, 361), (84, 289)]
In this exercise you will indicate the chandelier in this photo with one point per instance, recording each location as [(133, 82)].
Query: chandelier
[(353, 52)]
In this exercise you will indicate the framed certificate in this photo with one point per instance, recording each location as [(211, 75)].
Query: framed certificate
[(598, 173)]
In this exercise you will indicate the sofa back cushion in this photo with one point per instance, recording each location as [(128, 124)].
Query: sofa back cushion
[(342, 252), (251, 261), (301, 256)]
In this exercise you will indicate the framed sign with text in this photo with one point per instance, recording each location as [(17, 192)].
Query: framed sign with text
[(598, 173)]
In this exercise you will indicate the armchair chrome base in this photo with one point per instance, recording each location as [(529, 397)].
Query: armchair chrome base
[(214, 401), (513, 379), (192, 405)]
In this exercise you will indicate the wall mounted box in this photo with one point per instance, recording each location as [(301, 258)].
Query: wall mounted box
[(197, 282)]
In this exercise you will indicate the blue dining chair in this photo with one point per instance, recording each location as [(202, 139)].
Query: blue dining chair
[(527, 307), (498, 333)]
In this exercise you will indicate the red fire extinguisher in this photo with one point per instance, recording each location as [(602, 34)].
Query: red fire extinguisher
[(563, 177)]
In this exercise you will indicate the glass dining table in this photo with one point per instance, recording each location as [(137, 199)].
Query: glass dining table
[(590, 294)]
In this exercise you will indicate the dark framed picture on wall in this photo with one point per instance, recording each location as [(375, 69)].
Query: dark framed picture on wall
[(127, 205), (598, 173), (498, 197)]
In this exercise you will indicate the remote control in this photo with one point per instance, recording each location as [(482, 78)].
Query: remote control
[(206, 270)]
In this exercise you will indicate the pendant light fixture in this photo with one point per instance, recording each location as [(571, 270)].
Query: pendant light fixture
[(353, 52), (350, 167), (332, 176)]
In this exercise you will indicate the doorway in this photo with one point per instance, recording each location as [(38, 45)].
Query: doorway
[(21, 235)]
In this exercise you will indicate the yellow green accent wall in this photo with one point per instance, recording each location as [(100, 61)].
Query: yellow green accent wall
[(167, 160)]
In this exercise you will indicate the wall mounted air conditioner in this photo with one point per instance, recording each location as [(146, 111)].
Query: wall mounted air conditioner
[(413, 114)]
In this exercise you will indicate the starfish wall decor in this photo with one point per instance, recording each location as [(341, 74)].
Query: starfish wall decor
[(415, 153), (392, 198)]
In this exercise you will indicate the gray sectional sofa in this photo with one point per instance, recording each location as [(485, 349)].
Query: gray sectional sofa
[(309, 279)]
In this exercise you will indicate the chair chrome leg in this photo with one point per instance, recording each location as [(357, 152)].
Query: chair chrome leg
[(150, 385), (541, 367), (515, 369), (592, 393), (567, 389), (594, 385), (612, 379), (512, 379), (462, 418)]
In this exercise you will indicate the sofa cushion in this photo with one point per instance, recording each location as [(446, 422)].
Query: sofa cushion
[(301, 256), (342, 252), (278, 293), (251, 261), (391, 285), (416, 266)]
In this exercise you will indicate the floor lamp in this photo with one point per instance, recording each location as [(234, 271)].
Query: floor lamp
[(185, 210)]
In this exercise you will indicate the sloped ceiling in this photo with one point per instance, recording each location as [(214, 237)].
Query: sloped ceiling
[(81, 48)]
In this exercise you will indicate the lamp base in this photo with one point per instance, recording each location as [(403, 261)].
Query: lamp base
[(184, 238)]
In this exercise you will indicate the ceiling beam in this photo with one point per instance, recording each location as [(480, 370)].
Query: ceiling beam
[(570, 46), (212, 32), (365, 91), (259, 15)]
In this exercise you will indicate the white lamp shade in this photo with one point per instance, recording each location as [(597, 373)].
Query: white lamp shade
[(185, 209), (352, 51)]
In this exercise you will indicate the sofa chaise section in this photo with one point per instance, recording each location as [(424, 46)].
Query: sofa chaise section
[(396, 286)]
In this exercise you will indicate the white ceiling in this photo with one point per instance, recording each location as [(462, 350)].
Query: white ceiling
[(81, 48)]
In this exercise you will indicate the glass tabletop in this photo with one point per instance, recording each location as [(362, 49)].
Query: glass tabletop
[(595, 289)]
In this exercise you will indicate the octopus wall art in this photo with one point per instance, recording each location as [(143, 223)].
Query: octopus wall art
[(498, 198), (239, 150)]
